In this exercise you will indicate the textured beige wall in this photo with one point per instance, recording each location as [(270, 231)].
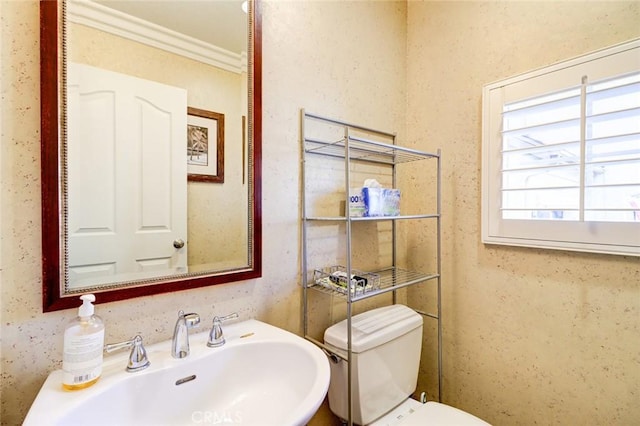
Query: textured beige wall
[(531, 336), (343, 59)]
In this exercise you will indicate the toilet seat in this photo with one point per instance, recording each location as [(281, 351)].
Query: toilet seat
[(414, 413), (434, 413)]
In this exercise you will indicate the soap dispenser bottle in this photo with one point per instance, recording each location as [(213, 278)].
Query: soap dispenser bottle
[(83, 347)]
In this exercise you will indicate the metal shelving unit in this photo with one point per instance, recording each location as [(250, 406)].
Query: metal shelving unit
[(356, 145)]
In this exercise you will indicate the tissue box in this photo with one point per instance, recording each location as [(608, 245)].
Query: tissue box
[(381, 202), (390, 202), (356, 203), (372, 202)]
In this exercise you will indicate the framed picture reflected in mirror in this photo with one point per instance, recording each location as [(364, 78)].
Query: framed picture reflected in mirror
[(205, 146)]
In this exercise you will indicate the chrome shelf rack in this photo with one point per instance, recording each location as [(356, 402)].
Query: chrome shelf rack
[(356, 145)]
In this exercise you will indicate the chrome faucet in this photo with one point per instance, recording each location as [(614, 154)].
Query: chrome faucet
[(180, 345), (216, 336), (137, 358)]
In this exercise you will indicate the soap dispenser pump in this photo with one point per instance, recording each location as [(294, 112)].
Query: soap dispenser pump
[(83, 347)]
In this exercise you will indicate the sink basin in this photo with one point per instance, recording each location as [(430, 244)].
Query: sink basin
[(262, 376)]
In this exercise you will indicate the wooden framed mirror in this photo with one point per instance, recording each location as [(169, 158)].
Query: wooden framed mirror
[(87, 184)]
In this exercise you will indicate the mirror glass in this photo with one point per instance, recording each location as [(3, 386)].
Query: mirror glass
[(151, 146)]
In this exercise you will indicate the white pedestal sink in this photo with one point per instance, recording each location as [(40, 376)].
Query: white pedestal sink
[(262, 376)]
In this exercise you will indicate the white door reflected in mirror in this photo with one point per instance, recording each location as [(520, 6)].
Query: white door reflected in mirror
[(127, 177)]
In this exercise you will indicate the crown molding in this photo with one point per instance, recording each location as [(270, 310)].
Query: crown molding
[(115, 22)]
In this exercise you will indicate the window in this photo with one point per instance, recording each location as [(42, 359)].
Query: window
[(561, 155)]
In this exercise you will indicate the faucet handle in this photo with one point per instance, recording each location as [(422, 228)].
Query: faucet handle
[(138, 359), (216, 336), (227, 317)]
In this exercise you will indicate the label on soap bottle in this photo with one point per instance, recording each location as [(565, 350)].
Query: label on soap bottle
[(82, 357)]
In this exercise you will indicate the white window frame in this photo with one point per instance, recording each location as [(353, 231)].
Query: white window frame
[(621, 238)]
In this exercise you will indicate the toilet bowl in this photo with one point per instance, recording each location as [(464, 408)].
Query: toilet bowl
[(385, 346)]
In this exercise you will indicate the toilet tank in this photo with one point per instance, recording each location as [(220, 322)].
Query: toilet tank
[(386, 344)]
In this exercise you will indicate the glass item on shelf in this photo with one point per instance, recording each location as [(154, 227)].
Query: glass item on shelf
[(336, 278)]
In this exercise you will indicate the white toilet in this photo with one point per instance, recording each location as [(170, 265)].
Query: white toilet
[(386, 344)]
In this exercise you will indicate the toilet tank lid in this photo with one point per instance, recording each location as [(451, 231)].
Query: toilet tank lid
[(373, 328)]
